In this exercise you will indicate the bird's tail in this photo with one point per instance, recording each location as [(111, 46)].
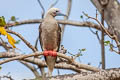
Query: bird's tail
[(50, 64)]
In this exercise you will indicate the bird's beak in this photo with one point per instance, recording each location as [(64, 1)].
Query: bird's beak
[(60, 14)]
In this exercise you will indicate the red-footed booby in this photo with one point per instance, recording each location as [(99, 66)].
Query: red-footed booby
[(50, 37)]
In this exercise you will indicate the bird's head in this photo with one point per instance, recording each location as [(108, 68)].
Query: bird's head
[(55, 12)]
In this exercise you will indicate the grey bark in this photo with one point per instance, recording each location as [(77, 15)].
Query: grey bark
[(111, 74)]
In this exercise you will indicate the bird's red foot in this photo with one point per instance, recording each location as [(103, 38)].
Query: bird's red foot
[(53, 53), (46, 53), (50, 53)]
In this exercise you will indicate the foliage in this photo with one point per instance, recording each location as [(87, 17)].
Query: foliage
[(11, 40), (80, 52), (106, 43), (81, 16), (2, 21), (17, 42), (13, 18), (0, 67)]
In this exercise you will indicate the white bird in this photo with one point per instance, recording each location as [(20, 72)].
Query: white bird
[(50, 37)]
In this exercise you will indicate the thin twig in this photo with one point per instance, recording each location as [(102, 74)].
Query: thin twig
[(96, 33), (92, 31), (30, 46), (114, 37), (32, 68), (66, 17), (22, 38), (111, 48), (7, 77), (43, 10), (5, 45), (42, 16), (98, 37), (96, 14), (53, 4)]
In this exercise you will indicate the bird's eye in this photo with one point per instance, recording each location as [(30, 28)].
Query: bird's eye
[(57, 11)]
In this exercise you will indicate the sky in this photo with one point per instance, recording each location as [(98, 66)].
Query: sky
[(75, 38)]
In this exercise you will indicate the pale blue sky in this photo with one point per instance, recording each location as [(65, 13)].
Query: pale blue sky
[(74, 38)]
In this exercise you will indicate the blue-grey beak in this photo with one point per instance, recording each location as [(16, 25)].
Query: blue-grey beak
[(60, 14)]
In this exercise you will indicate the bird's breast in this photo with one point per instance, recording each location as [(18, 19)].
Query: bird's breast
[(50, 36)]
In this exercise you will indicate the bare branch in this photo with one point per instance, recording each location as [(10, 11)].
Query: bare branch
[(32, 68), (70, 59), (6, 77), (66, 17), (112, 74), (114, 37), (4, 45), (66, 22), (20, 57), (39, 62), (53, 4), (43, 10), (22, 38), (42, 70), (95, 33)]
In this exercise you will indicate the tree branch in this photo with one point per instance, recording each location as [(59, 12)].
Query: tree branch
[(43, 10), (32, 68), (5, 45), (39, 62), (114, 37), (53, 4), (70, 59), (22, 38), (69, 5), (111, 16), (112, 74), (66, 22), (102, 42)]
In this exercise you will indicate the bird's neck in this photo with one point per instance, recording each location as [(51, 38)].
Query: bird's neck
[(48, 16)]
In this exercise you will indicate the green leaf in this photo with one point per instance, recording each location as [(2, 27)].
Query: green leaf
[(83, 49), (111, 46), (106, 43), (16, 22), (81, 16), (17, 42), (13, 18), (2, 21), (0, 67)]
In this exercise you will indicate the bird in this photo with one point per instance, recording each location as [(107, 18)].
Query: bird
[(50, 37)]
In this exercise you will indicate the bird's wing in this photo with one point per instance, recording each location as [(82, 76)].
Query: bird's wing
[(40, 31), (59, 37)]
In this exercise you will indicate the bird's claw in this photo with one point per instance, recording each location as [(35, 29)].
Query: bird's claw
[(53, 53), (50, 53), (46, 53)]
